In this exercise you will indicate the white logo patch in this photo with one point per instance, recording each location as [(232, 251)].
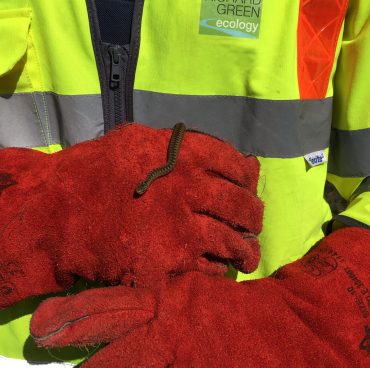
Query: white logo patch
[(316, 158)]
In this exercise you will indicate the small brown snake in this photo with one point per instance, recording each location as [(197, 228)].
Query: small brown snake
[(172, 155)]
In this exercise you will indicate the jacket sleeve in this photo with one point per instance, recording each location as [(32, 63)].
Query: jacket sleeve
[(349, 163)]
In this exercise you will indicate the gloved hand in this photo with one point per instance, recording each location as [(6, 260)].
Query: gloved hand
[(75, 213), (313, 313)]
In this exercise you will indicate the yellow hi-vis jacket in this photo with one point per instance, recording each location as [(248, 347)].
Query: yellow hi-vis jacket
[(286, 80)]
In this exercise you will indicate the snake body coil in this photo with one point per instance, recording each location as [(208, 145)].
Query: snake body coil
[(172, 155)]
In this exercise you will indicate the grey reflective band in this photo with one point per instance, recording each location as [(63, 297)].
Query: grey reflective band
[(351, 222), (40, 119), (266, 128), (350, 153), (362, 188)]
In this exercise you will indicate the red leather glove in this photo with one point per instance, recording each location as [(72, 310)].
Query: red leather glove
[(75, 213), (314, 314)]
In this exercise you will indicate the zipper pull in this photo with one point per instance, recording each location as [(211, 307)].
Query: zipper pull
[(116, 68)]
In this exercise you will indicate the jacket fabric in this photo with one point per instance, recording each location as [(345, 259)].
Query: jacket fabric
[(286, 81)]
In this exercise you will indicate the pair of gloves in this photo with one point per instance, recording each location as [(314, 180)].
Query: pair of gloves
[(76, 214)]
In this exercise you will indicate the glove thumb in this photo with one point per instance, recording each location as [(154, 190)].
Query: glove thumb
[(91, 317)]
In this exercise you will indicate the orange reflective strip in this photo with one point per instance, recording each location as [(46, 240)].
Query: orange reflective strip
[(319, 25)]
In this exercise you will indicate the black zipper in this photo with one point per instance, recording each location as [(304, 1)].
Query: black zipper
[(116, 67), (116, 81), (132, 59)]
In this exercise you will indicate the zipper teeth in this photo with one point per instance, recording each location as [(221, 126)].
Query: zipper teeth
[(128, 91), (117, 79), (128, 87), (96, 39), (133, 59), (117, 95), (118, 105)]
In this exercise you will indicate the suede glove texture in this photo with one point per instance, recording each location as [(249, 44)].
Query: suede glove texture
[(312, 313), (75, 212)]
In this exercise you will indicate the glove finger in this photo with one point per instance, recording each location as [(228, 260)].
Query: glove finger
[(93, 316), (222, 158), (138, 349), (222, 245), (228, 203), (243, 172)]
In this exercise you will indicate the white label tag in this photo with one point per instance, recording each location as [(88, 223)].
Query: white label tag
[(316, 158)]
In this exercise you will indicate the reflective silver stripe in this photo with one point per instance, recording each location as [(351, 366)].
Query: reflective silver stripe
[(41, 119), (18, 363), (266, 128), (350, 153), (362, 188)]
